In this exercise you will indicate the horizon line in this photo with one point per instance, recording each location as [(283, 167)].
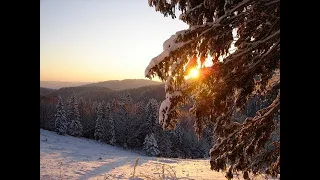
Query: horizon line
[(97, 81)]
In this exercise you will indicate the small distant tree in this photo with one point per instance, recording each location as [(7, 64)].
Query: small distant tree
[(150, 145), (61, 119), (74, 126)]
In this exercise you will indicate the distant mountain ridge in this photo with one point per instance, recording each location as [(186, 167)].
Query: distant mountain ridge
[(84, 92), (60, 84), (116, 85), (104, 94)]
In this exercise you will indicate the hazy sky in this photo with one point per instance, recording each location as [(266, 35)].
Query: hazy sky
[(99, 40)]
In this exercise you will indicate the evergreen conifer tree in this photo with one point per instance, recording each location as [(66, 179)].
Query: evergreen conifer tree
[(74, 125), (100, 127), (60, 119), (151, 112), (109, 126), (235, 47), (150, 145)]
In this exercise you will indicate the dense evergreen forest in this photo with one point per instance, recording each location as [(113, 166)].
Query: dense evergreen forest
[(127, 118)]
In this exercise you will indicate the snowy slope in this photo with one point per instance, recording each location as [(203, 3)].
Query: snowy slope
[(79, 158)]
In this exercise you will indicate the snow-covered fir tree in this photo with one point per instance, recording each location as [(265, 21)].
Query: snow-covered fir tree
[(230, 43), (153, 127), (109, 135), (150, 145), (164, 142), (121, 119), (73, 116), (124, 98), (100, 123), (135, 124), (151, 112), (177, 140), (61, 119), (70, 115), (81, 107)]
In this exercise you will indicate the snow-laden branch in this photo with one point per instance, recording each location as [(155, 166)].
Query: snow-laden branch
[(156, 60), (274, 80), (232, 10), (168, 46), (194, 8), (174, 46), (272, 2), (261, 115), (252, 46), (263, 56), (266, 39), (166, 108)]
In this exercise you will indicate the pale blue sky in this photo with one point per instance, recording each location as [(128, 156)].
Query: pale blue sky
[(99, 40)]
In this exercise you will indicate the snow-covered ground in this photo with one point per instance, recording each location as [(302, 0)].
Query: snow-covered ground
[(67, 157)]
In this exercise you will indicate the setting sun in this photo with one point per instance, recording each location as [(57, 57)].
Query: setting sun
[(193, 73)]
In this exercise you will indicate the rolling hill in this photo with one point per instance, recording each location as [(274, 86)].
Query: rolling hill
[(60, 84), (117, 85), (123, 84), (94, 93)]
